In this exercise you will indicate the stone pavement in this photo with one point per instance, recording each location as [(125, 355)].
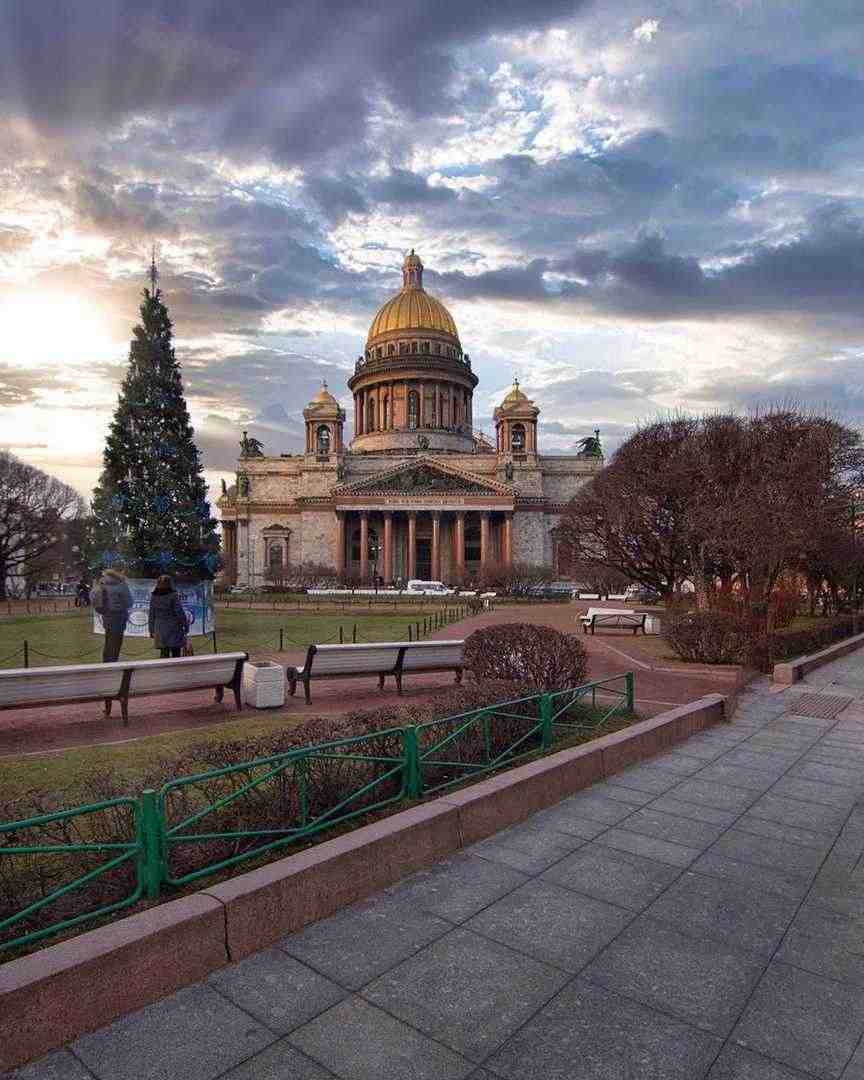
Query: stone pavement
[(698, 916)]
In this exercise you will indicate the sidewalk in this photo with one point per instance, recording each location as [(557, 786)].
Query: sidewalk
[(698, 916)]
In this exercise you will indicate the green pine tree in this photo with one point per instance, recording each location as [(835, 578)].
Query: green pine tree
[(150, 509)]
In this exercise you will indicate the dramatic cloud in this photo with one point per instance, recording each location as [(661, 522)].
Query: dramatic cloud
[(632, 208)]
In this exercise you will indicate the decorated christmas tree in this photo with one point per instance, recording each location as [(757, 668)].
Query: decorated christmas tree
[(150, 509)]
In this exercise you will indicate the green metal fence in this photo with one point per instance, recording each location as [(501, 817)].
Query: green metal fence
[(107, 856)]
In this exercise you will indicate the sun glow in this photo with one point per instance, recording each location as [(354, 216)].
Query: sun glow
[(50, 330)]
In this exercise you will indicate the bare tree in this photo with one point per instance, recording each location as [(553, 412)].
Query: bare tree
[(33, 509), (632, 517)]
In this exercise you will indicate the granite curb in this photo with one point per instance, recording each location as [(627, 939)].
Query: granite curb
[(52, 996), (792, 671)]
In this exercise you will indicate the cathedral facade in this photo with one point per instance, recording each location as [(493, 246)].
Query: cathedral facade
[(418, 493)]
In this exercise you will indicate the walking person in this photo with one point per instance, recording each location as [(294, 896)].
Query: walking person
[(112, 600), (167, 621)]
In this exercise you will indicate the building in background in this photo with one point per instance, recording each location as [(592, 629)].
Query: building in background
[(418, 493)]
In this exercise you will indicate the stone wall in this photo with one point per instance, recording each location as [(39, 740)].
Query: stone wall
[(528, 538)]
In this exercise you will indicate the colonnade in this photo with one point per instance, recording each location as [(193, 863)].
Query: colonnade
[(432, 544)]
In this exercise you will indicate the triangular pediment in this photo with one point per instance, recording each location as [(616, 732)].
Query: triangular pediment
[(425, 478)]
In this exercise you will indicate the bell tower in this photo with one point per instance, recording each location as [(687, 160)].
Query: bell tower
[(324, 418), (516, 425)]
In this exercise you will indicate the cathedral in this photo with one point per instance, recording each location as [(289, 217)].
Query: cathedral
[(417, 493)]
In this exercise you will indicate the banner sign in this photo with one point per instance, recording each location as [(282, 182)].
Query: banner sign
[(196, 598)]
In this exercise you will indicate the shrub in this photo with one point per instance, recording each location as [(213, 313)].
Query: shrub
[(710, 637), (538, 658), (787, 644)]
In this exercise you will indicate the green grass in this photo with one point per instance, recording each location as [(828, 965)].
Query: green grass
[(68, 638), (68, 772)]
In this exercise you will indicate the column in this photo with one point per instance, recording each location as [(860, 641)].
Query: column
[(340, 543), (459, 545), (412, 545), (387, 572), (436, 545), (507, 537), (364, 545), (484, 541)]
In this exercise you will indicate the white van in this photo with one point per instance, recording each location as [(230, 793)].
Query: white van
[(428, 588)]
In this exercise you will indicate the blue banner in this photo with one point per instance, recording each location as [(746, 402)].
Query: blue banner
[(196, 598)]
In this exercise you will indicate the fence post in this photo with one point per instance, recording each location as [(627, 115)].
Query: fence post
[(281, 639), (341, 642), (354, 634), (213, 635), (410, 636), (413, 783), (546, 721), (151, 845), (629, 682), (26, 653)]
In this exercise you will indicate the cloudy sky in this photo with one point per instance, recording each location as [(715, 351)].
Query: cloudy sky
[(633, 206)]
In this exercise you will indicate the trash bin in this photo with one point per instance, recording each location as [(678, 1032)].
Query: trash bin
[(263, 684)]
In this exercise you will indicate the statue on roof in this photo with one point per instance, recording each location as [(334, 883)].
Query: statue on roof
[(250, 447), (224, 487), (590, 446)]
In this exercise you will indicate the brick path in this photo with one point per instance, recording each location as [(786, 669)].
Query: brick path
[(32, 730), (698, 916)]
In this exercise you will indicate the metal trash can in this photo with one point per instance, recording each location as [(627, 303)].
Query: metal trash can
[(263, 684)]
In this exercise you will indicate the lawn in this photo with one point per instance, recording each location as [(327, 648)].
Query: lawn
[(67, 638)]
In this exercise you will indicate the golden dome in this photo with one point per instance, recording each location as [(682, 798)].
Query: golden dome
[(412, 308), (324, 397), (515, 395)]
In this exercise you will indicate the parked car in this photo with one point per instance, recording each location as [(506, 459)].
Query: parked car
[(428, 588), (236, 590)]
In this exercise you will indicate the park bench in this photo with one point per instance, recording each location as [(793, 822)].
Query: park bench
[(612, 618), (22, 688), (394, 658)]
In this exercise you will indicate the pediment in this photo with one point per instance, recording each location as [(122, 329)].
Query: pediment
[(425, 478)]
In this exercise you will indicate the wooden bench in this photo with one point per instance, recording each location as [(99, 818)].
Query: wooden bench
[(613, 618), (23, 688), (394, 658)]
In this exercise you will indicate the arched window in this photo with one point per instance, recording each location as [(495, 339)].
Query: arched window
[(425, 346), (391, 350), (517, 439), (380, 352), (322, 440), (413, 346), (403, 347), (370, 414), (385, 412), (413, 409)]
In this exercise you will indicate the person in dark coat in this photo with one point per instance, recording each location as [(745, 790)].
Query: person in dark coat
[(167, 621), (112, 599)]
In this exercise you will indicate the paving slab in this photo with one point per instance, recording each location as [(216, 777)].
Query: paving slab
[(61, 1065), (766, 851), (467, 992), (697, 979), (595, 1034), (359, 1042), (360, 942), (792, 883), (618, 877), (649, 846), (276, 989), (459, 887), (549, 923), (826, 943), (709, 793), (736, 1063), (526, 847), (803, 1020), (195, 1034), (278, 1062), (649, 821), (742, 916)]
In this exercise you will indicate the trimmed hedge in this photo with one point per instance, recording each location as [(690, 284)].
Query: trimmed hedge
[(726, 637), (537, 658)]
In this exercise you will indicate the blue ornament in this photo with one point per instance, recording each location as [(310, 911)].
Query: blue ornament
[(118, 501), (161, 503), (164, 559)]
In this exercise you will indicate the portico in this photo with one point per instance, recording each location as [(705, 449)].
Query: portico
[(438, 542)]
